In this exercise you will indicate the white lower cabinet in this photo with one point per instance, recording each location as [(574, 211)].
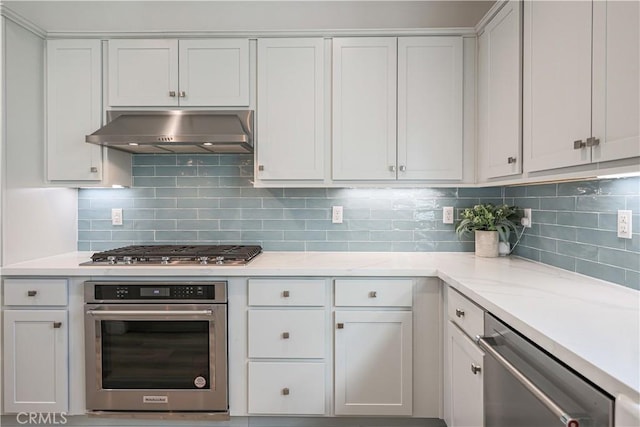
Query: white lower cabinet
[(286, 388), (373, 363), (35, 357)]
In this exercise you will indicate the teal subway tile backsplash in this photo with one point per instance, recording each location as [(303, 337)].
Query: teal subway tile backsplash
[(210, 199)]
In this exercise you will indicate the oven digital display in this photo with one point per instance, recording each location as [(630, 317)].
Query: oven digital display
[(155, 292)]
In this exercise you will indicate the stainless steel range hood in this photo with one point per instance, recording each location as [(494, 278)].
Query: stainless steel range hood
[(177, 131)]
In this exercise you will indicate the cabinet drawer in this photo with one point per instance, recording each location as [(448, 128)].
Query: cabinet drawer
[(287, 333), (287, 292), (374, 293), (34, 292), (286, 388), (465, 313)]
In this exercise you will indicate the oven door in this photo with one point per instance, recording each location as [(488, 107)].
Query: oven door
[(155, 357)]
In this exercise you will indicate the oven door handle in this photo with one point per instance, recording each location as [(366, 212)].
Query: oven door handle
[(566, 419), (150, 312)]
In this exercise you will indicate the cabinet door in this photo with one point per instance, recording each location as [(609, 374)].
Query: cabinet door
[(430, 108), (499, 94), (373, 363), (74, 106), (143, 73), (466, 385), (364, 108), (214, 72), (557, 83), (616, 86), (35, 361), (290, 121)]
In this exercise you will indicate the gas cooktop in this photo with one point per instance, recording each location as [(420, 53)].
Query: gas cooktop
[(177, 255)]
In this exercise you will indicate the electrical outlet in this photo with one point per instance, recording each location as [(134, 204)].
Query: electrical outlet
[(447, 215), (336, 215), (624, 224), (526, 220), (116, 216)]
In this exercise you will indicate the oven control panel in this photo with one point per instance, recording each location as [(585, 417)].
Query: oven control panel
[(163, 291)]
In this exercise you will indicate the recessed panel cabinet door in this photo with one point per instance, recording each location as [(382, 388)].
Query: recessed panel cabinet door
[(616, 85), (373, 363), (35, 361), (143, 73), (430, 108), (364, 108), (74, 107), (557, 83), (290, 120)]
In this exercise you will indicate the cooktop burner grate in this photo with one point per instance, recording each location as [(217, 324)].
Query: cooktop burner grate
[(177, 254)]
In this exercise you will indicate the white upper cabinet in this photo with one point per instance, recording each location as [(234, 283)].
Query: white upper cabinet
[(178, 73), (499, 94), (430, 108), (581, 97), (74, 110), (291, 109), (616, 81), (364, 108)]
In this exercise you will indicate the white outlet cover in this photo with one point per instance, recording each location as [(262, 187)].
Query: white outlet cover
[(625, 222), (447, 215)]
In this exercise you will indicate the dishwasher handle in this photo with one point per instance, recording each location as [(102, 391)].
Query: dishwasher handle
[(566, 419)]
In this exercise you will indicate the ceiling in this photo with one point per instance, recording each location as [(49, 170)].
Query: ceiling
[(119, 16)]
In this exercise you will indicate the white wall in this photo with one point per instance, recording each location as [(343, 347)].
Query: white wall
[(36, 221)]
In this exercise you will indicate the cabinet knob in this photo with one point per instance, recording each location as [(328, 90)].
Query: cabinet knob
[(373, 294), (593, 142), (285, 335), (459, 312), (32, 293), (511, 160), (93, 169), (475, 368), (392, 168), (340, 325), (403, 168), (260, 168), (579, 144), (182, 94), (57, 325), (285, 391), (172, 93), (285, 294)]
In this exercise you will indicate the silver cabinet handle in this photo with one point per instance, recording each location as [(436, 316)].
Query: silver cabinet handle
[(286, 294), (511, 160), (392, 168), (57, 325), (579, 144), (285, 335), (260, 168), (93, 169), (475, 368), (403, 168), (285, 391), (32, 293), (340, 326), (565, 418), (172, 93), (459, 312), (593, 142), (373, 294), (182, 94)]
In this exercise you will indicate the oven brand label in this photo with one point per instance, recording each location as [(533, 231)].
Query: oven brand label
[(200, 382), (155, 399)]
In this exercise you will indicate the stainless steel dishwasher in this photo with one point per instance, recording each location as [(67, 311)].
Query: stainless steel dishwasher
[(526, 387)]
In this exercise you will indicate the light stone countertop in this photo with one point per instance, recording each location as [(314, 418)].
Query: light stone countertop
[(591, 325)]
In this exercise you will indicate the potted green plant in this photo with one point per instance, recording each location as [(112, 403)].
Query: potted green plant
[(490, 224)]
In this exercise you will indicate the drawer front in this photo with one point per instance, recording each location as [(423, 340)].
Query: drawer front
[(35, 292), (465, 313), (287, 333), (286, 388), (374, 293), (287, 292)]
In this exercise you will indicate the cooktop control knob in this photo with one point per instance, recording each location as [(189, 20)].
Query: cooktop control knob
[(219, 260), (111, 259), (164, 260), (204, 260), (127, 260)]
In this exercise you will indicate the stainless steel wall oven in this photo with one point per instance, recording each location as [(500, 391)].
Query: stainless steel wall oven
[(156, 347)]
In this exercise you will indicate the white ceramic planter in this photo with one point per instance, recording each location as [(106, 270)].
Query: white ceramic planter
[(486, 244)]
